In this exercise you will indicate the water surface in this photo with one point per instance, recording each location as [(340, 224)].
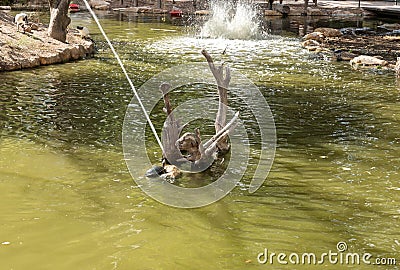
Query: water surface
[(68, 202)]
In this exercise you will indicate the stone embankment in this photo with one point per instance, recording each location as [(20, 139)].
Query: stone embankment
[(20, 50), (362, 47)]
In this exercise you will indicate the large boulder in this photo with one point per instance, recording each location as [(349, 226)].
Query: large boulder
[(144, 9), (390, 26), (367, 61), (311, 45), (317, 36), (342, 13), (268, 12), (202, 12), (99, 4), (315, 12), (102, 7), (329, 32)]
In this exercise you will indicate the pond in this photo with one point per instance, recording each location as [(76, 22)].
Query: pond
[(68, 201)]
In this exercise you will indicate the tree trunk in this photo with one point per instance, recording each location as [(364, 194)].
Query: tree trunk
[(59, 19)]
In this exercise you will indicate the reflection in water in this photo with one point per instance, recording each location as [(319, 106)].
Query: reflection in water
[(65, 189)]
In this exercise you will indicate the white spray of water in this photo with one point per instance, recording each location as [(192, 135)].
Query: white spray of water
[(232, 22)]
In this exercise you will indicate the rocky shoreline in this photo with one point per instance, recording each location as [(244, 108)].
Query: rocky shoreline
[(28, 50), (362, 47)]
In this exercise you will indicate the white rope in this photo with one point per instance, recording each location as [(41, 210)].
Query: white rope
[(126, 74)]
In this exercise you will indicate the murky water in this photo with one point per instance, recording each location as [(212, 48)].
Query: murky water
[(68, 202)]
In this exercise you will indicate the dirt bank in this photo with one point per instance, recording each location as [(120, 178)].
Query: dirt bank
[(27, 50)]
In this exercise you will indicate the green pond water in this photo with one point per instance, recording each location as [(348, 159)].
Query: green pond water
[(68, 201)]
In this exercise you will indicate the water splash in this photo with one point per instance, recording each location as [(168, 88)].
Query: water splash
[(230, 21)]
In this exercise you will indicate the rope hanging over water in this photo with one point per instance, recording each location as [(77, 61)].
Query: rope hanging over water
[(126, 75)]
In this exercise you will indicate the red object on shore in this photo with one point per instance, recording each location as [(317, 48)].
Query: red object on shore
[(176, 13), (74, 8)]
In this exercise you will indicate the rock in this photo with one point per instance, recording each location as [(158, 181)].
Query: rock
[(329, 32), (28, 29), (159, 11), (102, 7), (340, 55), (31, 62), (7, 66), (75, 53), (311, 45), (34, 26), (392, 38), (50, 59), (5, 7), (20, 50), (155, 171), (268, 12), (202, 12), (342, 13), (130, 9), (390, 26), (144, 9), (317, 36), (172, 172), (357, 31), (315, 12), (166, 172), (367, 61), (94, 3), (284, 9), (296, 11), (65, 54)]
